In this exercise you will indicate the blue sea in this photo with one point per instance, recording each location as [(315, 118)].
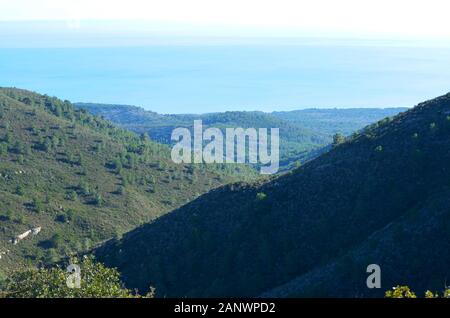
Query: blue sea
[(198, 79)]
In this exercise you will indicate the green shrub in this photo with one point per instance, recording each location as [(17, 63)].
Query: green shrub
[(338, 139), (261, 196), (97, 281), (406, 292), (400, 292), (20, 190)]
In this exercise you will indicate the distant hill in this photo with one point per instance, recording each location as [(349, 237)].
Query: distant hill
[(344, 120), (82, 179), (303, 133), (382, 197)]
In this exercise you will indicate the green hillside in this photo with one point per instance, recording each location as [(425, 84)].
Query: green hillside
[(82, 179), (296, 142), (303, 133), (381, 197)]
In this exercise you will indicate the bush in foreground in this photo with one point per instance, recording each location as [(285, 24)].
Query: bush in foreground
[(406, 292), (97, 281)]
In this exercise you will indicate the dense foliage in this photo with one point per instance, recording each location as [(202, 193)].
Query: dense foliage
[(382, 197), (82, 180), (96, 281), (406, 292), (303, 133)]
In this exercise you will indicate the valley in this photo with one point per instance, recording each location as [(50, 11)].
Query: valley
[(82, 180), (380, 197)]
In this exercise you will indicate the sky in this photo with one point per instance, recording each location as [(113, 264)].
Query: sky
[(216, 55), (399, 18)]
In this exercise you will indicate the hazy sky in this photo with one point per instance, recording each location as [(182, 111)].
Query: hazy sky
[(401, 18)]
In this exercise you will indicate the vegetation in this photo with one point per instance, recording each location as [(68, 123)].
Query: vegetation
[(344, 121), (303, 133), (82, 179), (338, 139), (96, 281), (400, 292), (381, 197), (406, 292), (78, 184)]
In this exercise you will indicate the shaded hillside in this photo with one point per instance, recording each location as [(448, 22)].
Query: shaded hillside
[(296, 142), (82, 179), (381, 197)]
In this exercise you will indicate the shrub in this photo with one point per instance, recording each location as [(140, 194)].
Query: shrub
[(98, 199), (338, 139), (400, 292), (56, 241), (97, 281), (261, 196), (61, 218), (38, 207), (20, 190), (406, 292), (72, 196)]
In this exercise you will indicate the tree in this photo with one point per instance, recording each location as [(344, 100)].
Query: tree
[(20, 190), (56, 241), (261, 196), (84, 188), (3, 149), (27, 101), (145, 137), (338, 139), (18, 147), (80, 160), (98, 199), (8, 138), (96, 281), (38, 207), (120, 190), (51, 256), (72, 195), (117, 165)]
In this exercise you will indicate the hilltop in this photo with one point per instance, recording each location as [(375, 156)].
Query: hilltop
[(81, 180), (381, 196)]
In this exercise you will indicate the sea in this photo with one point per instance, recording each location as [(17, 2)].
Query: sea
[(214, 78)]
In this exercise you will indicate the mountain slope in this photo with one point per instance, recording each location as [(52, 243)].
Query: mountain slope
[(81, 179), (296, 142), (363, 202), (303, 133)]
